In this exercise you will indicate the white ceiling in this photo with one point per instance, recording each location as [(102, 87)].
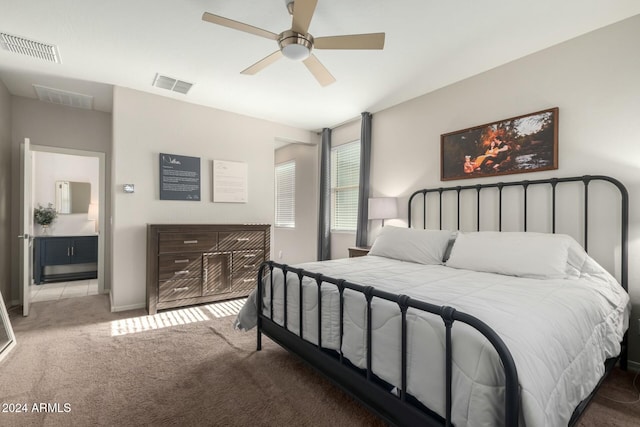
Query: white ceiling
[(429, 44)]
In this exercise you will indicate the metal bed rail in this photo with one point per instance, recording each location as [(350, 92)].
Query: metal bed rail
[(400, 410)]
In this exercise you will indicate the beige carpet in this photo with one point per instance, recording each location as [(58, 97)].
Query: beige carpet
[(114, 369)]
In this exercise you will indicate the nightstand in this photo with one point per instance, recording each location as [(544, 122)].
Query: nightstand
[(358, 251)]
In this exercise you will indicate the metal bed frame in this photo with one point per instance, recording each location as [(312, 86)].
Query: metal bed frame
[(401, 408)]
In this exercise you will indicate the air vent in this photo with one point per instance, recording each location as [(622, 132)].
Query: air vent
[(63, 97), (32, 48), (170, 83)]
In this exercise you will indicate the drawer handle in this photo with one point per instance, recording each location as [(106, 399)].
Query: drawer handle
[(182, 272), (249, 265), (186, 288), (242, 239), (250, 255), (190, 242), (181, 261), (247, 280)]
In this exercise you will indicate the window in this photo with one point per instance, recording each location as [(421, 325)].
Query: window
[(345, 180), (286, 194)]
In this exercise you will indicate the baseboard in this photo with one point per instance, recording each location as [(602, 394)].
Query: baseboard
[(126, 307), (633, 366)]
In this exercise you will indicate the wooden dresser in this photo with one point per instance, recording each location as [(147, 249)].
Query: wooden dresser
[(193, 263)]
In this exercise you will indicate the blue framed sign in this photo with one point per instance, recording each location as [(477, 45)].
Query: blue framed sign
[(179, 177)]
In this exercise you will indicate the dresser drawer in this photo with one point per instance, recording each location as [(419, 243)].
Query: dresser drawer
[(238, 240), (245, 281), (187, 242), (175, 289), (247, 261), (179, 266)]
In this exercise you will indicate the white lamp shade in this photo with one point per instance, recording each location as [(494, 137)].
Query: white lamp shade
[(92, 214), (383, 208)]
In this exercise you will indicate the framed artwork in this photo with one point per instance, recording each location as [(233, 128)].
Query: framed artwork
[(179, 177), (230, 182), (527, 143)]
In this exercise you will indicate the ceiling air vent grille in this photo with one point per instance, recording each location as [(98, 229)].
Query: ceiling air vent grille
[(32, 48), (172, 84), (63, 97)]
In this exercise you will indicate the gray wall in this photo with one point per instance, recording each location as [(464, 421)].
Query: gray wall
[(5, 195), (56, 126), (593, 79), (299, 244), (145, 125)]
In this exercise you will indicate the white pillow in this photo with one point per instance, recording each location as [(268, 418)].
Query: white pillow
[(411, 244), (576, 259), (522, 254)]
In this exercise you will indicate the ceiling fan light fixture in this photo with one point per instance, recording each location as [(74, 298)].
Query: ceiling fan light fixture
[(296, 52), (295, 46)]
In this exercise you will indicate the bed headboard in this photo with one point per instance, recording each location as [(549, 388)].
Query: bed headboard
[(491, 198)]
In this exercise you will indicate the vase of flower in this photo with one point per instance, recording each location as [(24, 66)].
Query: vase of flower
[(44, 216)]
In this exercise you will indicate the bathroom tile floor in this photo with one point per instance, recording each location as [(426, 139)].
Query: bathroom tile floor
[(60, 290)]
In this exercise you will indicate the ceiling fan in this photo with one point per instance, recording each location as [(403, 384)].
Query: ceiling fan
[(297, 44)]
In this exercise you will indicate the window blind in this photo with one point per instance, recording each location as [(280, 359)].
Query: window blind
[(345, 179), (286, 194)]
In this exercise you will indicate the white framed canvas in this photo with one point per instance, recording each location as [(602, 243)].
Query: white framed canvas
[(230, 182)]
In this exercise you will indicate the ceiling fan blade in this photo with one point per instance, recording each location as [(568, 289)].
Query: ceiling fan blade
[(353, 41), (322, 75), (302, 14), (230, 23), (263, 63)]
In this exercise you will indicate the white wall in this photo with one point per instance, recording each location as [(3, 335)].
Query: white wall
[(145, 125), (593, 79), (5, 196), (300, 244), (51, 167)]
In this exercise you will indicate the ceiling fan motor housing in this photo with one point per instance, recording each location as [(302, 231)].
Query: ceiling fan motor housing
[(294, 45)]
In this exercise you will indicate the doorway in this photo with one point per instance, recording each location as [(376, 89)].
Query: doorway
[(73, 183)]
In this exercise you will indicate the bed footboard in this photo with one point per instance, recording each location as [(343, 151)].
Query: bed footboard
[(395, 408)]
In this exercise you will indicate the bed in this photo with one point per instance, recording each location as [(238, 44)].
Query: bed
[(516, 328)]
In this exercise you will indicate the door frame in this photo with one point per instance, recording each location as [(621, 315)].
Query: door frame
[(102, 175)]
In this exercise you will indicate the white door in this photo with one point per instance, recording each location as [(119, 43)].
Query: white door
[(26, 229)]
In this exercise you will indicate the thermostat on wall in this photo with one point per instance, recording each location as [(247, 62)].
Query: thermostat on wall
[(128, 188)]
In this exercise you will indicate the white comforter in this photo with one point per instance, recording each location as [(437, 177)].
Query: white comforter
[(558, 331)]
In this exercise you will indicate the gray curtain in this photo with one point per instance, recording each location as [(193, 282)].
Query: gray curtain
[(363, 193), (324, 214)]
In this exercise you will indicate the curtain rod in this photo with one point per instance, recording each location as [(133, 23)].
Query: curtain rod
[(339, 125)]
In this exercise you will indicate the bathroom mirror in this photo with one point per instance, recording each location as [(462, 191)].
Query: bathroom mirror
[(72, 197), (7, 339)]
